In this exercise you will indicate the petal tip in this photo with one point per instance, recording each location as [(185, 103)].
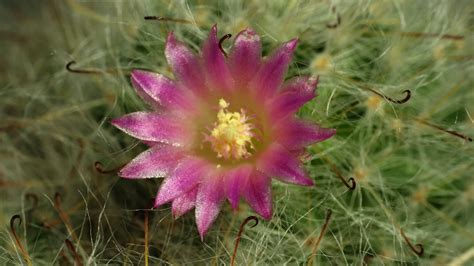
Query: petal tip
[(248, 35), (137, 72), (116, 122), (136, 75), (202, 232), (249, 32), (213, 33), (123, 174), (175, 214), (308, 182), (127, 174), (267, 216), (158, 201), (291, 44), (328, 133), (170, 40), (313, 81), (234, 204), (156, 205)]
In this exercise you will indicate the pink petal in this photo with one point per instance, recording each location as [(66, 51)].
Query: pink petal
[(187, 174), (279, 163), (184, 203), (294, 95), (157, 90), (270, 76), (217, 73), (234, 180), (153, 127), (296, 134), (208, 203), (258, 193), (157, 161), (186, 66), (244, 60)]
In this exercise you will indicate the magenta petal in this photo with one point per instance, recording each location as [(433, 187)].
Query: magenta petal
[(187, 174), (153, 127), (270, 76), (217, 73), (296, 134), (157, 161), (208, 203), (279, 163), (156, 89), (235, 180), (184, 203), (186, 66), (244, 59), (258, 193), (294, 95)]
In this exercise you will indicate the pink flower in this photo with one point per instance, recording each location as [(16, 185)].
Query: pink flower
[(222, 128)]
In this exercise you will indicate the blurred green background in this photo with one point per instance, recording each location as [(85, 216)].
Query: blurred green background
[(59, 154)]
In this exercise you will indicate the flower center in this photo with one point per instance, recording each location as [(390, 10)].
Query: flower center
[(232, 134)]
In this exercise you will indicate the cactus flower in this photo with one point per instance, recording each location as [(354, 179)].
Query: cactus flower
[(222, 128)]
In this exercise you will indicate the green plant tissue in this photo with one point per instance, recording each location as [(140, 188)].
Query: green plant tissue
[(395, 79)]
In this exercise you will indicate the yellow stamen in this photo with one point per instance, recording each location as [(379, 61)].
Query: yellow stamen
[(232, 134)]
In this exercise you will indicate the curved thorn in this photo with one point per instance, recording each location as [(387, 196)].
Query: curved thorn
[(452, 132), (401, 101), (433, 35), (221, 40), (73, 251), (34, 198), (404, 100), (12, 223), (64, 216), (99, 167), (98, 71), (17, 240), (57, 200), (165, 19), (417, 249), (327, 220), (80, 71), (239, 235), (352, 181)]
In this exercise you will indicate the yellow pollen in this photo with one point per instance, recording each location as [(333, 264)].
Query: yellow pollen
[(232, 135)]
